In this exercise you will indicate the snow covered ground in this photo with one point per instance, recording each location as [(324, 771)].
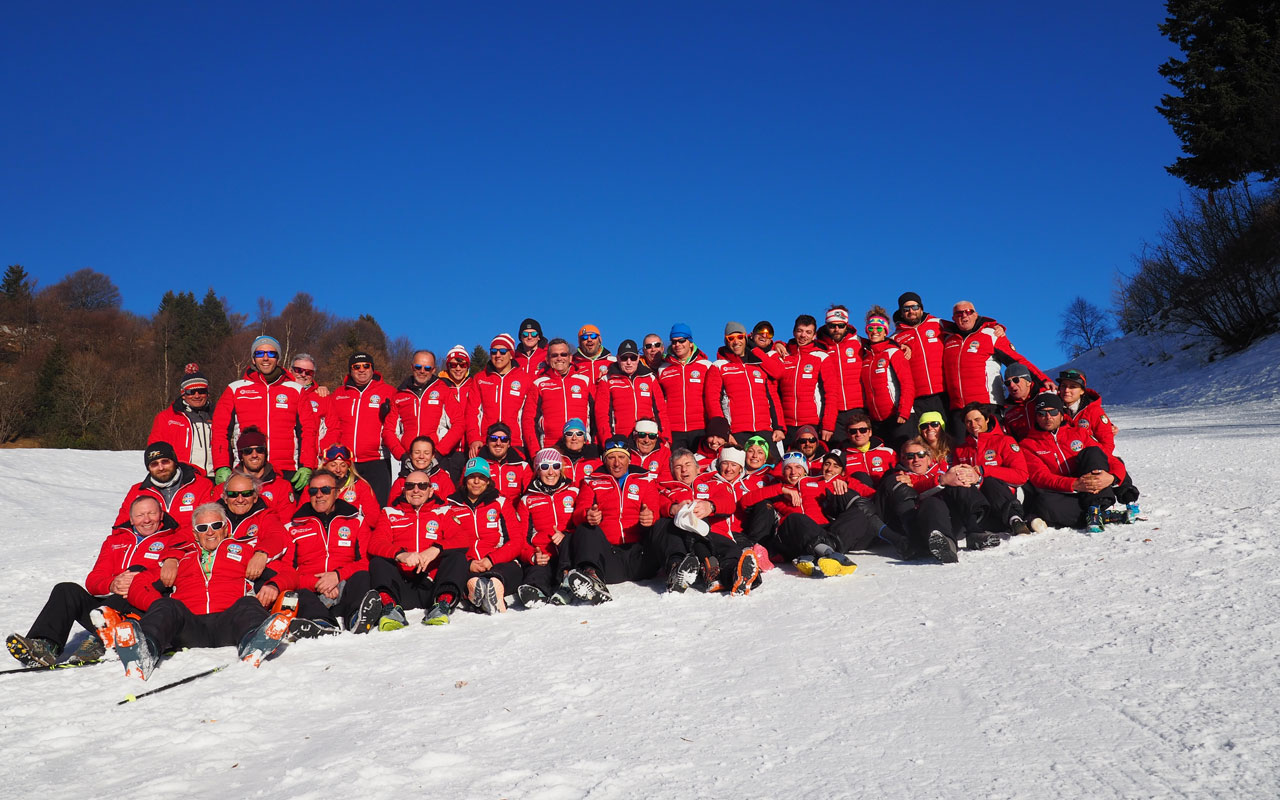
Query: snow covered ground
[(1143, 662)]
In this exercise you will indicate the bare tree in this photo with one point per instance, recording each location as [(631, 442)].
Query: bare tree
[(1084, 327)]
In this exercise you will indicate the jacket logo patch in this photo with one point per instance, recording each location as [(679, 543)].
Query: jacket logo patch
[(848, 351), (633, 491), (234, 549), (253, 530), (315, 407), (491, 515), (1082, 422), (282, 400), (188, 498), (1076, 445), (515, 386), (432, 528), (876, 461), (930, 335), (349, 495), (990, 456), (1014, 447), (808, 368), (702, 487), (973, 347), (567, 502), (344, 532), (155, 547), (434, 396)]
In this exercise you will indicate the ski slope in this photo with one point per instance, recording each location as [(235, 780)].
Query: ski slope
[(1142, 662)]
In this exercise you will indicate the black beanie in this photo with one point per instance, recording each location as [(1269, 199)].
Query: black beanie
[(907, 297), (156, 451), (528, 323)]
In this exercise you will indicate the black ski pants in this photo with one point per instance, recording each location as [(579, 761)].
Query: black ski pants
[(350, 592), (408, 589), (455, 571), (69, 603), (614, 563), (171, 625), (1067, 509)]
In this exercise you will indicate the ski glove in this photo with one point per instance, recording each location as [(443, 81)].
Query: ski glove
[(300, 478), (221, 475)]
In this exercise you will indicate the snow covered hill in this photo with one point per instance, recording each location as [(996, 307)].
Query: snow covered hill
[(1142, 662)]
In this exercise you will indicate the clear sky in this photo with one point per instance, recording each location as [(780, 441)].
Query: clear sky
[(451, 168)]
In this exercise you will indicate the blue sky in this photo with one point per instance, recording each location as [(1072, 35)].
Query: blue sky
[(453, 168)]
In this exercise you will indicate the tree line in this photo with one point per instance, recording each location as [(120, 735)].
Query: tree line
[(77, 370)]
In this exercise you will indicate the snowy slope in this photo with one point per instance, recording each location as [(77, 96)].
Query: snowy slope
[(1143, 662)]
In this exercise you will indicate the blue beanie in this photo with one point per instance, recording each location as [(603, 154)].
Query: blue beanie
[(681, 331)]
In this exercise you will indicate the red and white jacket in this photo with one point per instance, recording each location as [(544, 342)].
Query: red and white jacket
[(594, 368), (742, 390), (431, 410), (996, 455), (282, 410), (482, 528), (193, 489), (887, 387), (620, 502), (275, 491), (334, 542), (1090, 416), (657, 463), (442, 484), (875, 461), (1051, 457), (1018, 417), (684, 385), (190, 439), (708, 486), (544, 511), (553, 400), (404, 528), (971, 363), (801, 384), (261, 529), (124, 550), (532, 362), (356, 417), (924, 340), (843, 379), (810, 489), (209, 593), (622, 399), (497, 398)]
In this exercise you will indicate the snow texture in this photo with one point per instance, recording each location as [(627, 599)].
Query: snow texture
[(1141, 662)]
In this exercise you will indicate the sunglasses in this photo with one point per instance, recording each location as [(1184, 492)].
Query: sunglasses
[(575, 433), (1047, 412), (528, 334), (911, 307), (550, 465), (195, 392), (629, 357), (499, 437), (838, 325), (457, 362), (266, 354), (1012, 381), (653, 346), (914, 454), (807, 440), (315, 490), (863, 429), (965, 313), (302, 371), (558, 355), (205, 527), (930, 424), (680, 340), (590, 337), (735, 337), (424, 485), (251, 450), (362, 365), (423, 367), (498, 351), (646, 436), (241, 493), (871, 328)]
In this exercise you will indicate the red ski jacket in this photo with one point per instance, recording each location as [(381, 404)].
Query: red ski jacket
[(356, 417), (553, 400), (971, 363), (282, 410), (924, 340), (319, 405), (708, 486), (887, 387), (218, 590), (623, 399), (996, 455), (404, 528), (431, 410), (188, 438), (1051, 457), (125, 551), (442, 484), (1018, 417), (261, 529), (594, 368), (496, 398), (801, 384), (532, 362), (334, 542), (193, 489), (1090, 416), (842, 380), (810, 490), (510, 475), (482, 528), (742, 391), (276, 492), (620, 502), (683, 385), (544, 511), (657, 463)]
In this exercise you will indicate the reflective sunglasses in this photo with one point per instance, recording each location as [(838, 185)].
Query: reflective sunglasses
[(911, 307), (590, 337), (336, 451), (735, 337), (302, 371), (838, 325), (653, 346), (499, 437), (423, 367), (965, 312), (914, 454), (240, 493), (195, 392), (575, 433), (498, 351), (315, 490), (528, 334), (1012, 381), (456, 362), (266, 354), (424, 485), (646, 435), (205, 527), (362, 365), (550, 465)]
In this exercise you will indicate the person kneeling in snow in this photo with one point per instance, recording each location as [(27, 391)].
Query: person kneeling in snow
[(214, 604), (1074, 479), (815, 542)]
